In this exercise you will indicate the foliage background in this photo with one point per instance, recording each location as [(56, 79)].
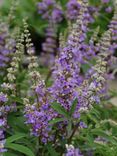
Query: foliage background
[(101, 120)]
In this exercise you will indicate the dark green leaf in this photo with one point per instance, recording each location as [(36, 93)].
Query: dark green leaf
[(9, 154), (20, 148), (52, 151), (15, 137), (60, 109), (56, 120), (73, 107), (16, 99)]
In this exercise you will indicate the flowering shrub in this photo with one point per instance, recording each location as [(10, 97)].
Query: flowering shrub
[(67, 111)]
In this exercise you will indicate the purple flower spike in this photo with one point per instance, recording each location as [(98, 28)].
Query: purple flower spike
[(3, 97)]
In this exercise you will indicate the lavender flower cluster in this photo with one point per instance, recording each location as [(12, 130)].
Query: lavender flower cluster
[(113, 27), (50, 10), (49, 47), (73, 8), (7, 45), (4, 110), (71, 151), (8, 90), (3, 121)]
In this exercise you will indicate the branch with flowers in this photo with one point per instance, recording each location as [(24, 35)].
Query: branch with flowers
[(65, 113)]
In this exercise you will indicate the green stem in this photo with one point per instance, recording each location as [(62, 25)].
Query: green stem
[(74, 131)]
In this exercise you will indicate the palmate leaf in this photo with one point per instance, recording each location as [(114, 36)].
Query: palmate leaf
[(102, 133), (16, 99), (73, 107), (51, 150), (9, 154), (21, 77), (54, 121), (60, 110), (15, 137), (92, 118), (17, 122), (20, 148)]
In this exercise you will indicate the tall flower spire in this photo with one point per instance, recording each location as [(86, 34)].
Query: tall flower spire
[(73, 9), (66, 73), (113, 26), (7, 45), (37, 110), (50, 45), (52, 12), (9, 88)]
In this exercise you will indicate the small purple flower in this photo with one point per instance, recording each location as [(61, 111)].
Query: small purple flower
[(2, 143), (2, 122), (71, 151), (113, 28), (50, 11), (73, 8), (108, 9), (3, 97), (57, 15), (4, 110), (7, 46), (82, 125), (49, 47)]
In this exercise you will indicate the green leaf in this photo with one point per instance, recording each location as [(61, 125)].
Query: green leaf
[(51, 150), (15, 137), (21, 77), (9, 154), (60, 109), (16, 99), (56, 120), (18, 123), (20, 148), (73, 107), (69, 128), (102, 133), (92, 118)]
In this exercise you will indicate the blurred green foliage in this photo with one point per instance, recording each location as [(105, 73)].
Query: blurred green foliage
[(28, 9), (25, 9)]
